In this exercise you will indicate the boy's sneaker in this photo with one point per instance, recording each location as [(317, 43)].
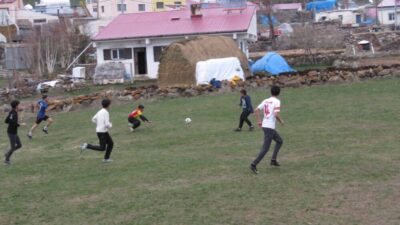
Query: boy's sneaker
[(131, 129), (254, 169), (83, 147), (251, 128), (29, 135), (45, 131), (7, 162), (274, 163), (107, 160), (237, 130)]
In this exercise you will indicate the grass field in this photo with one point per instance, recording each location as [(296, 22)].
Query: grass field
[(340, 164)]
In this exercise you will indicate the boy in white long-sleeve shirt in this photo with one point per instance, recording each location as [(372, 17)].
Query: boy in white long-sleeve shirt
[(102, 121)]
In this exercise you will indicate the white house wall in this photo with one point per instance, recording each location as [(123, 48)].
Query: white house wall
[(349, 17), (152, 66), (384, 16)]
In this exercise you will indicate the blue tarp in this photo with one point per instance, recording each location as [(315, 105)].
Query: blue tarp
[(319, 6), (265, 20), (272, 63)]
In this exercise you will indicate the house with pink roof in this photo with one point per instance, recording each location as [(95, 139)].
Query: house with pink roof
[(388, 12), (138, 39)]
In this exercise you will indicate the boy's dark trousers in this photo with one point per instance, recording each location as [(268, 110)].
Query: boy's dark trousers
[(15, 144), (243, 118), (135, 122), (269, 135), (106, 144)]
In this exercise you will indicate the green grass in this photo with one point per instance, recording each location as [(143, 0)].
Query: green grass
[(340, 164)]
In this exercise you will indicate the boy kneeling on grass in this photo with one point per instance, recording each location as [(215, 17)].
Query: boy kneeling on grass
[(134, 117)]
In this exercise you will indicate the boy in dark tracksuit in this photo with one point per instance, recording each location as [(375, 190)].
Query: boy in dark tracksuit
[(12, 131), (134, 116), (245, 103)]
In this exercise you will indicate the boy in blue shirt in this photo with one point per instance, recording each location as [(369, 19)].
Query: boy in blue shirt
[(245, 103), (41, 116)]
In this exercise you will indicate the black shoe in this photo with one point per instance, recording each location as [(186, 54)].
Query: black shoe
[(29, 136), (251, 128), (237, 130), (275, 163), (45, 131), (254, 169)]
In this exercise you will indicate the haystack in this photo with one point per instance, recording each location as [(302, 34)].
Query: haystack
[(178, 61)]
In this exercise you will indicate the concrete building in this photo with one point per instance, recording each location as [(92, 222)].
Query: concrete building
[(140, 48), (353, 17)]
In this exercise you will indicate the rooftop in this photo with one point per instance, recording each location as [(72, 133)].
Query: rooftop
[(177, 22)]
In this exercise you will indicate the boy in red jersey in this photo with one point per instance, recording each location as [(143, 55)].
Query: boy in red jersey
[(134, 117)]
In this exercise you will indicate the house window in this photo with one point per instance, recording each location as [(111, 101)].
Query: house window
[(157, 50), (160, 5), (392, 17), (39, 21), (102, 8), (340, 17), (142, 7), (121, 7), (178, 3), (117, 54), (95, 9)]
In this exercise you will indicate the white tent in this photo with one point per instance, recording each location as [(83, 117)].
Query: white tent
[(220, 69)]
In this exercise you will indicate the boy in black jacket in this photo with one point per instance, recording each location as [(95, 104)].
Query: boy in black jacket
[(245, 104), (12, 131)]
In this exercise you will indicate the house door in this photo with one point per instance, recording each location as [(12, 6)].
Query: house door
[(358, 19), (140, 61)]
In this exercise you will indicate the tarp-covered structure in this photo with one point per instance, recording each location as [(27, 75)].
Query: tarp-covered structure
[(218, 69), (178, 61), (320, 6), (272, 63)]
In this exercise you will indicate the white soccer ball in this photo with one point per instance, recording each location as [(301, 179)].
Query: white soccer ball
[(188, 120)]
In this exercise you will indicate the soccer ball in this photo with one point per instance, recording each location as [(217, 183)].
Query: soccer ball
[(188, 120)]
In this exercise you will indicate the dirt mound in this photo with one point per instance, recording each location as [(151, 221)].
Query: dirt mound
[(178, 61)]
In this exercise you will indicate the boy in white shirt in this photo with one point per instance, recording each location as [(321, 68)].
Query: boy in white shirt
[(102, 121), (270, 108)]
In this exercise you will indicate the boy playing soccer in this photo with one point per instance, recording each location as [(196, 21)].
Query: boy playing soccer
[(133, 118), (41, 116), (270, 108), (102, 121), (245, 103), (12, 131)]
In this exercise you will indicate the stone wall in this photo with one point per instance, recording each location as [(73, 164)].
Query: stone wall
[(305, 78)]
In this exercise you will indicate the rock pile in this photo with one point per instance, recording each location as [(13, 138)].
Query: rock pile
[(306, 78)]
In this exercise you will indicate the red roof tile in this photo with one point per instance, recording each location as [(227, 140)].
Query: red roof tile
[(172, 23)]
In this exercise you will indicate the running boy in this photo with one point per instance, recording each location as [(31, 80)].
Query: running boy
[(12, 131), (102, 121), (271, 109), (245, 103), (41, 116), (133, 118)]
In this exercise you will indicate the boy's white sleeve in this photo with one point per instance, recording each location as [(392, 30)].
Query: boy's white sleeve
[(261, 106), (277, 107), (94, 119), (107, 120)]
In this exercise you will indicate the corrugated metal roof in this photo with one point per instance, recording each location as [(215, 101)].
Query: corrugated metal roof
[(172, 23)]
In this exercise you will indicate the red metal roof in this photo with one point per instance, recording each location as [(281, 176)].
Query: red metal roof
[(172, 23)]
